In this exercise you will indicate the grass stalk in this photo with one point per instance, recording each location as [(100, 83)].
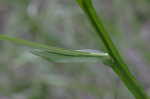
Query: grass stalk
[(119, 66)]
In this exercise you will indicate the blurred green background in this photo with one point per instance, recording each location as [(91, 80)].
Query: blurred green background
[(62, 23)]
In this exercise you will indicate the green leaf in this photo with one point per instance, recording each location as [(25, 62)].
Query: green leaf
[(54, 54), (86, 55)]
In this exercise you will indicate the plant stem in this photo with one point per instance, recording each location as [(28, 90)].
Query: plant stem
[(119, 66)]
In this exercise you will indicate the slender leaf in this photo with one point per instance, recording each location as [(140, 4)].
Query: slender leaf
[(55, 54), (60, 57)]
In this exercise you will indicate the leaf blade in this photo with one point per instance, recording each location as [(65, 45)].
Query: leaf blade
[(71, 58), (55, 54)]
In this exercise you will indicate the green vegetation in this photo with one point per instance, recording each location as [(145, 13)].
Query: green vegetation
[(119, 66), (59, 54), (61, 35)]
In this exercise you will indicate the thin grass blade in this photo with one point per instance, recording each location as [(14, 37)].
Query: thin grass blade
[(60, 57)]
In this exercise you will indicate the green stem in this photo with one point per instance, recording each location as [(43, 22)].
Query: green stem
[(119, 65)]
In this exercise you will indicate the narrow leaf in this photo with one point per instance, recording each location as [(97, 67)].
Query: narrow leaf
[(61, 57), (55, 54)]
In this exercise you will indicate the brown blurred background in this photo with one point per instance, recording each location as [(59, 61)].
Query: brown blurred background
[(62, 23)]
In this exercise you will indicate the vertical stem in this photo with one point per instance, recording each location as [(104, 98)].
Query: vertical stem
[(119, 66)]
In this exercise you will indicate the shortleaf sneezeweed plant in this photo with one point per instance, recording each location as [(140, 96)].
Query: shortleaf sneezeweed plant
[(112, 58), (119, 65)]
